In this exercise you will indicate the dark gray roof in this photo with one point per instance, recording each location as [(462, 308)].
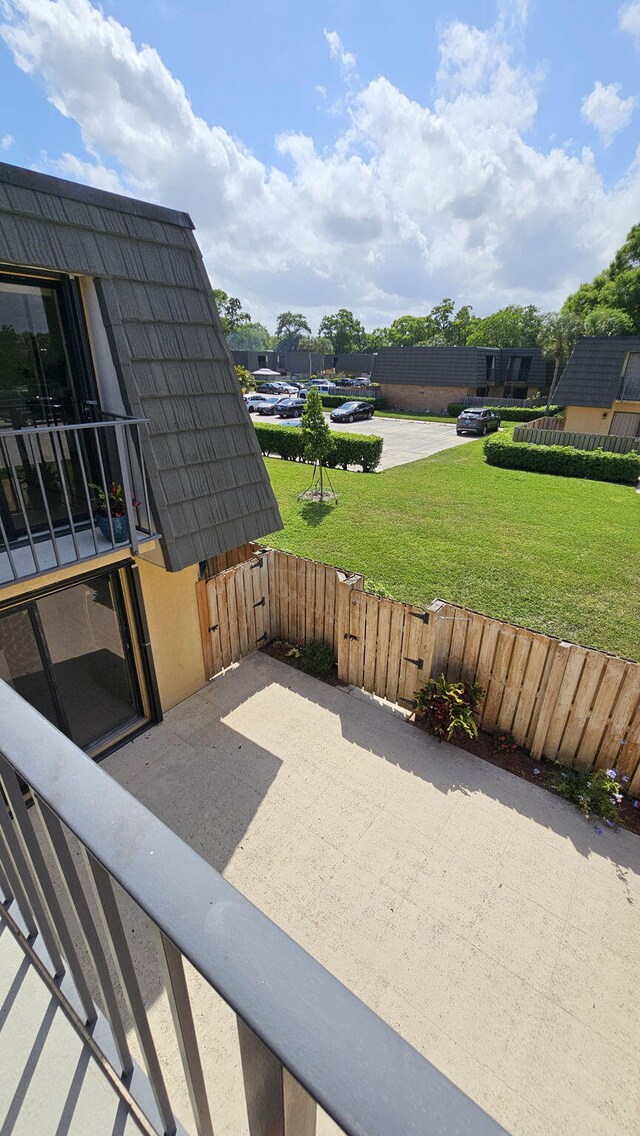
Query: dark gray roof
[(209, 486), (452, 366), (431, 366), (352, 362), (592, 375)]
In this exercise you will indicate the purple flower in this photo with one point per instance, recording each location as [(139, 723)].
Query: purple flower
[(625, 779), (617, 796), (611, 773), (623, 741), (636, 804), (596, 828), (536, 772), (609, 823)]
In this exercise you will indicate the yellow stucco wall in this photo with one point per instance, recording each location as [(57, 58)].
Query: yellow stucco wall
[(626, 407), (587, 419), (174, 630)]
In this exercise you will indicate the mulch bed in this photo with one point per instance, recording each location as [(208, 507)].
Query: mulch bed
[(517, 761)]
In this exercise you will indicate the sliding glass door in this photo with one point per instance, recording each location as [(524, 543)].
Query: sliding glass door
[(71, 654)]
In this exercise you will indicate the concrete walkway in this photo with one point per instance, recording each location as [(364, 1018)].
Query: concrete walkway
[(481, 916)]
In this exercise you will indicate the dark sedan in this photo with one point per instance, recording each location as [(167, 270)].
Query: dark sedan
[(271, 404), (477, 420), (290, 408), (350, 411)]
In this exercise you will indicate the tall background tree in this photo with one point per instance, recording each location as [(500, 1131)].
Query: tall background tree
[(316, 343), (513, 326), (290, 328), (232, 314), (344, 330), (616, 292), (250, 337)]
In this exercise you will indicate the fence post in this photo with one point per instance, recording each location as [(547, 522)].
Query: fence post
[(345, 585), (429, 650)]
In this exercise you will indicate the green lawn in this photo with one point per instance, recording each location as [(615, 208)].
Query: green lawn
[(556, 554)]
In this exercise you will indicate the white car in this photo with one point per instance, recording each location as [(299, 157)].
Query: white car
[(324, 387), (253, 401)]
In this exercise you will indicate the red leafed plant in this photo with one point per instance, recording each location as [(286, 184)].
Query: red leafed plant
[(448, 708)]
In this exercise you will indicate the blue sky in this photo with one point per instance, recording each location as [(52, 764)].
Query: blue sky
[(347, 153)]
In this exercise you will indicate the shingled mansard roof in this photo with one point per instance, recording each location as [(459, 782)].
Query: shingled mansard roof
[(451, 366), (209, 486), (592, 375)]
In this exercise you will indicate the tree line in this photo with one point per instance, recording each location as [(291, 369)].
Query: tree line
[(609, 305)]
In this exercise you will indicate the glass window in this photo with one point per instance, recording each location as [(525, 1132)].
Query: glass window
[(35, 379)]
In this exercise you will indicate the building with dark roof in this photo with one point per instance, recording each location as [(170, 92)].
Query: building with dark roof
[(290, 364), (600, 386), (428, 378), (127, 456), (351, 363)]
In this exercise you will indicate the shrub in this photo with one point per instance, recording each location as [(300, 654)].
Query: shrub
[(504, 742), (331, 401), (508, 413), (596, 465), (286, 442), (317, 658), (596, 793), (448, 707)]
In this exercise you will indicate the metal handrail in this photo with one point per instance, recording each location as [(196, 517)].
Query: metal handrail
[(304, 1037), (85, 457), (113, 420)]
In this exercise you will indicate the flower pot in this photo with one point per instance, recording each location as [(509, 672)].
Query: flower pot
[(120, 529)]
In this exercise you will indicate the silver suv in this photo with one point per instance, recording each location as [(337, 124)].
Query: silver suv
[(477, 420)]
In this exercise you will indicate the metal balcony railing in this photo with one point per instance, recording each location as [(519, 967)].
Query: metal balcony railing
[(304, 1039), (57, 485)]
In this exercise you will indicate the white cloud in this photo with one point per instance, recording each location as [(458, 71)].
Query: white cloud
[(410, 203), (6, 142), (629, 20), (337, 51), (607, 111)]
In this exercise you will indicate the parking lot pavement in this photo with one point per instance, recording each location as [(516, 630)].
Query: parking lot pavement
[(406, 440)]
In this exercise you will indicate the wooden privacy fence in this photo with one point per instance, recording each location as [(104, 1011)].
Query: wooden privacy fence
[(561, 701), (540, 432)]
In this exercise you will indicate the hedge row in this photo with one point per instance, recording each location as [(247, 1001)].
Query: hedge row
[(331, 401), (597, 465), (364, 450), (507, 413)]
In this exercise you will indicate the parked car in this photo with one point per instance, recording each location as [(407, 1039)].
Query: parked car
[(345, 383), (270, 403), (290, 408), (323, 385), (276, 388), (477, 420), (349, 411), (253, 401)]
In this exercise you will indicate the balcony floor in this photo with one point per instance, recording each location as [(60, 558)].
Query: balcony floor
[(26, 566), (481, 916)]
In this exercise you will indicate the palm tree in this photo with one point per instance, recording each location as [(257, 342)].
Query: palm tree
[(557, 340)]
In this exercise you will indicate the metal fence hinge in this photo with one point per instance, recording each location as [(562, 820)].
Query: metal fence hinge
[(214, 627), (258, 563), (419, 663), (348, 636), (262, 637), (423, 615), (261, 602)]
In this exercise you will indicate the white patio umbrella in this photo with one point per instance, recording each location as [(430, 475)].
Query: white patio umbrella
[(263, 372)]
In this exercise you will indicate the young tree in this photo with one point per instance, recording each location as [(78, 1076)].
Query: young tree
[(344, 330), (289, 330), (250, 337), (316, 436), (245, 378)]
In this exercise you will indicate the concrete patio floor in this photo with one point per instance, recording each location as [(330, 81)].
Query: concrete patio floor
[(482, 917)]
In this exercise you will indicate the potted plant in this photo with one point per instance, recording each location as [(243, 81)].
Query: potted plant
[(112, 504)]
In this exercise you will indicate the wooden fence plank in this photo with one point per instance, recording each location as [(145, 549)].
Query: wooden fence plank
[(318, 601), (244, 607), (330, 580), (412, 675), (564, 700), (485, 656), (513, 688), (613, 747), (521, 723), (473, 641), (578, 714), (205, 635), (385, 608), (357, 605), (612, 677), (395, 644), (548, 697), (461, 627), (309, 602), (498, 676), (300, 598), (371, 644)]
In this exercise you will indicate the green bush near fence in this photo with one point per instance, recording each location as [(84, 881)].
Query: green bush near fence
[(596, 465), (331, 401), (364, 450), (508, 413)]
